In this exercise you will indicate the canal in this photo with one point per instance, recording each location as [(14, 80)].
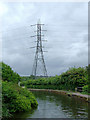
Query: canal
[(53, 105)]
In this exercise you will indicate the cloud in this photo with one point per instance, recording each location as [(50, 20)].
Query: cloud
[(3, 9), (67, 35)]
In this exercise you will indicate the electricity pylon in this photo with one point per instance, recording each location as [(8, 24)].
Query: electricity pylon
[(39, 68)]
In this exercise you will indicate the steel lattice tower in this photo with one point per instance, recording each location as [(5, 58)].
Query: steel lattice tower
[(39, 63)]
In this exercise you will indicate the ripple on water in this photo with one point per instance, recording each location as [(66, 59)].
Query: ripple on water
[(51, 105)]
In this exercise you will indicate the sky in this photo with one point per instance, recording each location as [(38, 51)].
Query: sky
[(67, 35)]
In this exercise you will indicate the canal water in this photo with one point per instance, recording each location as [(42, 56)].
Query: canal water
[(53, 105)]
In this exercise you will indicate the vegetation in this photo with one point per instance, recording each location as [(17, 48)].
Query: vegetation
[(85, 89), (23, 78), (14, 98), (9, 75), (69, 80)]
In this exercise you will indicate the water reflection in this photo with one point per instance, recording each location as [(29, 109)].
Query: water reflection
[(52, 105), (62, 106)]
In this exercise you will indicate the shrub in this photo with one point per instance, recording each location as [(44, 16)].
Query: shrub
[(9, 75), (69, 80), (15, 98), (85, 88)]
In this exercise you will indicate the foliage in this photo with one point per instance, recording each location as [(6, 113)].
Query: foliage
[(88, 70), (9, 75), (69, 80), (85, 88), (25, 78), (16, 99)]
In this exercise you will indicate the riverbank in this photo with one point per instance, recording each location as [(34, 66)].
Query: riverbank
[(14, 98), (69, 93)]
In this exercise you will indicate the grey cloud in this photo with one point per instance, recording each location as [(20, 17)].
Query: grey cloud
[(67, 35)]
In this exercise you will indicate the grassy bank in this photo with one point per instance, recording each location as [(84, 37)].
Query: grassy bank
[(14, 98), (69, 80)]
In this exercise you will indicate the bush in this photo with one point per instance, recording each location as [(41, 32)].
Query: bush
[(85, 88), (9, 75), (69, 80), (16, 99)]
